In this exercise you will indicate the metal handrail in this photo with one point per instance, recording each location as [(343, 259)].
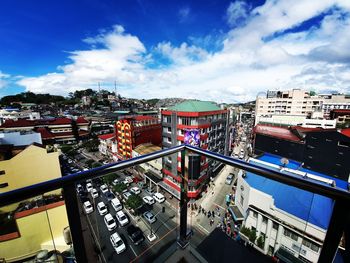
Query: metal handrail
[(302, 183)]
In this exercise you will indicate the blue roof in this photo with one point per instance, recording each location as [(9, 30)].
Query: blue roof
[(312, 208)]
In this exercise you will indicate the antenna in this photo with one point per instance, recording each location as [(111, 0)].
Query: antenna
[(115, 88)]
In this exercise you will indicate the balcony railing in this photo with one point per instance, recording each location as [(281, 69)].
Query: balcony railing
[(337, 225)]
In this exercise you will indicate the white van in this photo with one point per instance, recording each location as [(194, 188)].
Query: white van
[(117, 205), (159, 197)]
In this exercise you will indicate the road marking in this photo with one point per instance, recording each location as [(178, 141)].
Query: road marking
[(219, 206), (133, 251), (95, 237), (203, 229), (155, 243)]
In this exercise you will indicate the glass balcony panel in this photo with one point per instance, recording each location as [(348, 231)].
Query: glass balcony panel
[(36, 229)]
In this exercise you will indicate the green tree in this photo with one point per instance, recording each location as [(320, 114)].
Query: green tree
[(260, 242), (134, 202), (119, 188), (95, 165), (252, 236), (109, 178)]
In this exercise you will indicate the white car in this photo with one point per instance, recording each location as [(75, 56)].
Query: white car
[(128, 180), (148, 200), (94, 193), (102, 208), (89, 187), (117, 243), (122, 219), (135, 190), (149, 216), (110, 222), (159, 197), (88, 207), (104, 188)]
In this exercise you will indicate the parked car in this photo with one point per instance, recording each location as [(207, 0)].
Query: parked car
[(128, 180), (122, 219), (116, 181), (89, 187), (229, 179), (116, 204), (126, 195), (109, 195), (149, 216), (88, 207), (159, 197), (94, 193), (79, 188), (102, 208), (104, 188), (135, 234), (135, 190), (148, 200), (241, 155), (110, 222), (117, 243), (141, 185)]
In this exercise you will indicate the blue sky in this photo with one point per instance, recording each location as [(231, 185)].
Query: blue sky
[(198, 49)]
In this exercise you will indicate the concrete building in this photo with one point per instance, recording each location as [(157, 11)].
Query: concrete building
[(298, 103), (323, 150), (133, 131), (15, 114), (20, 138), (108, 145), (153, 169), (38, 223), (288, 220), (295, 120), (198, 123), (56, 130)]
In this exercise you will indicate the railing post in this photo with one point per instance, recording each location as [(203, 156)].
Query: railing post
[(337, 225), (182, 241), (73, 215)]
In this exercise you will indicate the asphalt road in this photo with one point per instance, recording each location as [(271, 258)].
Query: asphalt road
[(165, 229)]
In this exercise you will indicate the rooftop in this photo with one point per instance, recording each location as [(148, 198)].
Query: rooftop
[(313, 208), (147, 148), (106, 136), (195, 106)]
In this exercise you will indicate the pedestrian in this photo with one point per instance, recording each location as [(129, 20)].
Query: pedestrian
[(213, 213), (212, 192), (209, 214)]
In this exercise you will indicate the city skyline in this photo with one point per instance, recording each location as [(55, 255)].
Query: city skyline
[(226, 51)]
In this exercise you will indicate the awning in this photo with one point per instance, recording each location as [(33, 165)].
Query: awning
[(236, 214), (286, 256), (153, 177)]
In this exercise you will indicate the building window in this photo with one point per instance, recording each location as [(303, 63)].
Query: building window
[(313, 246), (255, 214), (264, 220), (275, 225), (169, 139), (290, 234), (169, 129)]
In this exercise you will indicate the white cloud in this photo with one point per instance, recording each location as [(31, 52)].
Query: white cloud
[(3, 79), (256, 56), (237, 12)]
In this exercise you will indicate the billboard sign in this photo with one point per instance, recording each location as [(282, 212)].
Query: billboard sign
[(192, 137)]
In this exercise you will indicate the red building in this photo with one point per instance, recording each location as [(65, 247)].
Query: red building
[(208, 124), (133, 131), (56, 130)]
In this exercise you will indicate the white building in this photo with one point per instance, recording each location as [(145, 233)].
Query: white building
[(108, 146), (20, 138), (291, 120), (14, 114), (287, 218), (298, 103)]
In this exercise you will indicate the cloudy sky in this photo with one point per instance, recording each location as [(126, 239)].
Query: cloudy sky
[(226, 51)]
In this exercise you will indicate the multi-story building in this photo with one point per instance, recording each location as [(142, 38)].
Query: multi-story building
[(287, 220), (133, 131), (295, 120), (342, 117), (57, 130), (198, 123), (299, 103), (108, 145), (322, 150), (15, 114)]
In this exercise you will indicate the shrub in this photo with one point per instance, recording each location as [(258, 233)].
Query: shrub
[(134, 202)]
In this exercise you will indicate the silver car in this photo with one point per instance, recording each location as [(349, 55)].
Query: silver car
[(149, 217)]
